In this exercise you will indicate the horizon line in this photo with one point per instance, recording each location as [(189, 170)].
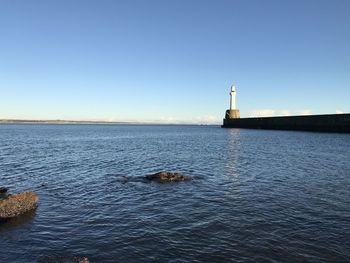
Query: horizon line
[(62, 121)]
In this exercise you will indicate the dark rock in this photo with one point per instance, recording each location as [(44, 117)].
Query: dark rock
[(3, 190), (18, 204), (167, 177), (63, 259)]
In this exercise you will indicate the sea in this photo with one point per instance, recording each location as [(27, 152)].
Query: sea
[(256, 195)]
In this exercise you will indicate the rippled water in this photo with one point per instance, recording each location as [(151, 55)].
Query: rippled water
[(257, 196)]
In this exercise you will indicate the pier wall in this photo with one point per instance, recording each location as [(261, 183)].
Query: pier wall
[(320, 123)]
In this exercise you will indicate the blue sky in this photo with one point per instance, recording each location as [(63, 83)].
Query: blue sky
[(172, 61)]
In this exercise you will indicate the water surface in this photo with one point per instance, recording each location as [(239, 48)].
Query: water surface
[(257, 196)]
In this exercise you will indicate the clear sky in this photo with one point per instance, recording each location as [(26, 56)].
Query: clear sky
[(172, 60)]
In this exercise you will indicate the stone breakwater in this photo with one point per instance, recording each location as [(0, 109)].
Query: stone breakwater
[(15, 205), (319, 123)]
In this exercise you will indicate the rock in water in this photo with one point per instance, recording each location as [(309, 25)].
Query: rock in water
[(3, 190), (16, 205), (167, 177), (63, 259)]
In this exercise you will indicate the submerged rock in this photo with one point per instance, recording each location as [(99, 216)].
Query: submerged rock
[(3, 190), (63, 259), (167, 177), (16, 205)]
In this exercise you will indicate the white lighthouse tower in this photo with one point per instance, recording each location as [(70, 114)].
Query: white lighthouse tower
[(233, 98), (233, 112)]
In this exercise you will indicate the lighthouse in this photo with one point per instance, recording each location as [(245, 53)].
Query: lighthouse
[(233, 98), (233, 112)]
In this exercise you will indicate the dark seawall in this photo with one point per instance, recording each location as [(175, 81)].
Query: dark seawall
[(320, 123)]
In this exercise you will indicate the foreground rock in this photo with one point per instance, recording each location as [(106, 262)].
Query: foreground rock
[(16, 205), (168, 177)]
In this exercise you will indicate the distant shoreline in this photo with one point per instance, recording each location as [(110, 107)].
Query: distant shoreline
[(14, 121), (63, 122)]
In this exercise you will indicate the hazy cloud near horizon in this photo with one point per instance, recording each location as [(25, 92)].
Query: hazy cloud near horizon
[(206, 119), (271, 113)]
